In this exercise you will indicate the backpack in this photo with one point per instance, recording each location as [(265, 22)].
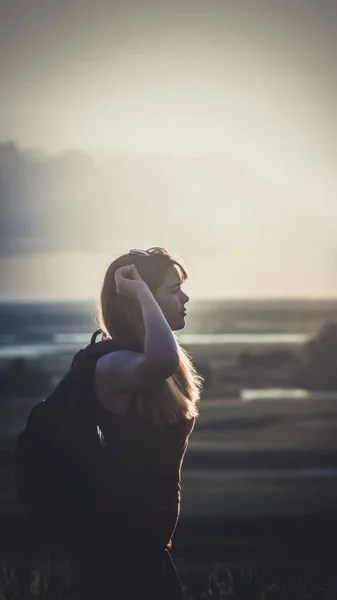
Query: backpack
[(57, 454)]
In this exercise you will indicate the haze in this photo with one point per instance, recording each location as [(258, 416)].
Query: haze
[(207, 128)]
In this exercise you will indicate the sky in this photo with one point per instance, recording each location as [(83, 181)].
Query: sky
[(208, 128)]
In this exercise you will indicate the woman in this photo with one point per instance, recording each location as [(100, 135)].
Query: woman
[(146, 394)]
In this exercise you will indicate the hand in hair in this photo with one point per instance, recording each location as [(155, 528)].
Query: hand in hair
[(129, 282)]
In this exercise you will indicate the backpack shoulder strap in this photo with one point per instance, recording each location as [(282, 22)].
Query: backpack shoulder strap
[(89, 355), (94, 336)]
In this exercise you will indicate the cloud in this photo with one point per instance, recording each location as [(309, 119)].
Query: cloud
[(241, 229), (48, 203), (73, 203)]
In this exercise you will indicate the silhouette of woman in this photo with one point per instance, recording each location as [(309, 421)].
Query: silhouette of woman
[(146, 394)]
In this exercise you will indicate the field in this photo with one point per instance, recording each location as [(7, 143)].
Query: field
[(262, 460), (259, 479)]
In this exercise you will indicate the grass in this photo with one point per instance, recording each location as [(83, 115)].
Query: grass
[(38, 580), (41, 581)]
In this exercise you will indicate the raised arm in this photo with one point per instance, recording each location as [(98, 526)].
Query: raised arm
[(124, 370)]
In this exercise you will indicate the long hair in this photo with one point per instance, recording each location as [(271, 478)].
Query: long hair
[(119, 317)]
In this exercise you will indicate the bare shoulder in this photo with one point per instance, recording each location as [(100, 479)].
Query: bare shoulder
[(115, 401), (127, 371)]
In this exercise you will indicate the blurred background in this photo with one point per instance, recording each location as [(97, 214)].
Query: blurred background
[(208, 129)]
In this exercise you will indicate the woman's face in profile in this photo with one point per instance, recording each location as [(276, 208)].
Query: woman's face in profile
[(172, 299)]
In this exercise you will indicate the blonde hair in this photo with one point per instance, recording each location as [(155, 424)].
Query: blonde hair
[(119, 318)]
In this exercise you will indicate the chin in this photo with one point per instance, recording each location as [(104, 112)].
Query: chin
[(180, 325)]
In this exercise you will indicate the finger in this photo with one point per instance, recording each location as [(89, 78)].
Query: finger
[(123, 271), (135, 273)]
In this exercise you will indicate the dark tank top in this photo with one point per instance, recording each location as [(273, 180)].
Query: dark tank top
[(140, 475)]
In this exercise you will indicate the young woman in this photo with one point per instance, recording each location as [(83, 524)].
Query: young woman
[(146, 395)]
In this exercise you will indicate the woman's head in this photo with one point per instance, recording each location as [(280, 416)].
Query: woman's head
[(120, 318)]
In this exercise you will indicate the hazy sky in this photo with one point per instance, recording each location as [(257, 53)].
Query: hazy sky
[(205, 127)]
